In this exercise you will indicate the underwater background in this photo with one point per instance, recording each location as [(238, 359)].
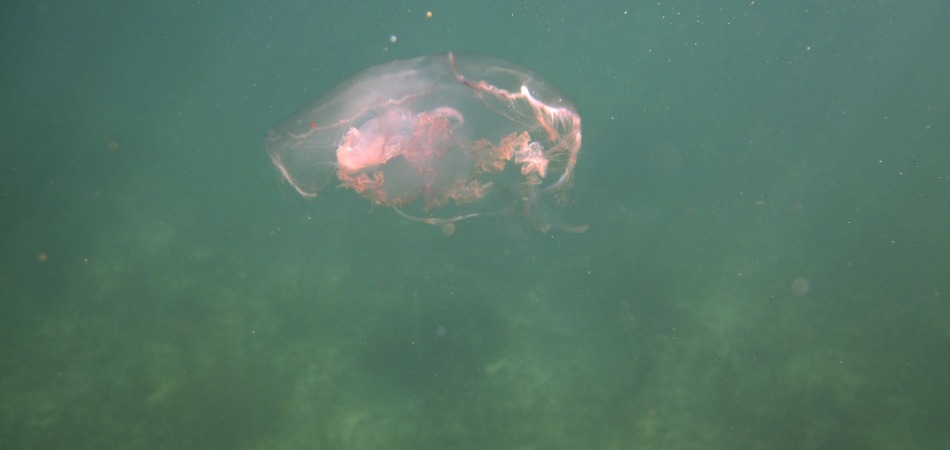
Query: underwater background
[(767, 265)]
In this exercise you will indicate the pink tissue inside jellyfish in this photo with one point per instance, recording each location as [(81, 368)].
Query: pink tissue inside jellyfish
[(440, 139)]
